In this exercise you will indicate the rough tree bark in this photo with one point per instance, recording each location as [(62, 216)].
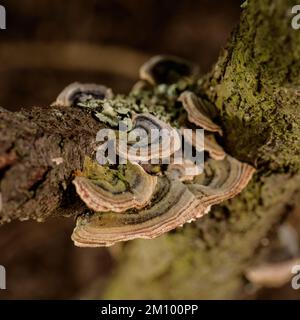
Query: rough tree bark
[(35, 181), (254, 86)]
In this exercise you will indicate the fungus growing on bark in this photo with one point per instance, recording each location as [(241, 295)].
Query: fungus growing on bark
[(76, 91), (221, 180), (131, 202), (172, 205), (150, 138), (166, 69), (104, 189), (210, 144), (197, 112)]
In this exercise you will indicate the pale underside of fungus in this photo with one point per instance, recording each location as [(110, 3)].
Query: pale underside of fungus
[(155, 138), (145, 200)]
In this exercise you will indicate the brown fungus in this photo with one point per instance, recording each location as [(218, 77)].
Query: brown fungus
[(166, 69), (128, 202), (221, 180), (104, 189), (149, 139), (210, 144), (76, 91), (172, 205), (197, 112)]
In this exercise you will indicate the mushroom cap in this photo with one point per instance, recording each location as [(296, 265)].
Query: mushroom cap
[(197, 112), (104, 189), (166, 69), (73, 92), (185, 171), (210, 144), (158, 139), (221, 180), (172, 205)]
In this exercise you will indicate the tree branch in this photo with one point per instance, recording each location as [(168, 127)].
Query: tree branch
[(40, 150)]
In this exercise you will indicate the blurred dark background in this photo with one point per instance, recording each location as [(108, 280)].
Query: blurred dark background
[(51, 43)]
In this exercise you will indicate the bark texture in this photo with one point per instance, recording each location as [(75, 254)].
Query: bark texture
[(40, 151), (255, 87)]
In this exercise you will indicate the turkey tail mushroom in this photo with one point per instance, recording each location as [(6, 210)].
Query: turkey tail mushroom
[(166, 69), (210, 144), (221, 180), (158, 140), (104, 189), (128, 202), (172, 205), (197, 112), (72, 94)]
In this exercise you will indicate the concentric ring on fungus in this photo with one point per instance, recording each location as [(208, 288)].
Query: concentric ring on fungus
[(173, 204), (130, 203), (101, 188)]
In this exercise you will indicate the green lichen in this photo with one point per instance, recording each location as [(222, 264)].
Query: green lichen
[(160, 100), (110, 111), (112, 179)]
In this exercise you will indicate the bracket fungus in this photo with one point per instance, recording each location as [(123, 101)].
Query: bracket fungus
[(197, 112), (104, 189), (139, 199), (171, 206), (150, 138), (72, 94), (210, 144), (167, 69)]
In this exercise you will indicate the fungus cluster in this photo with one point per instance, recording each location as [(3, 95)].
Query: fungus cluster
[(145, 200)]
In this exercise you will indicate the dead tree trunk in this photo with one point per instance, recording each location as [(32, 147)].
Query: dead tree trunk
[(254, 86)]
